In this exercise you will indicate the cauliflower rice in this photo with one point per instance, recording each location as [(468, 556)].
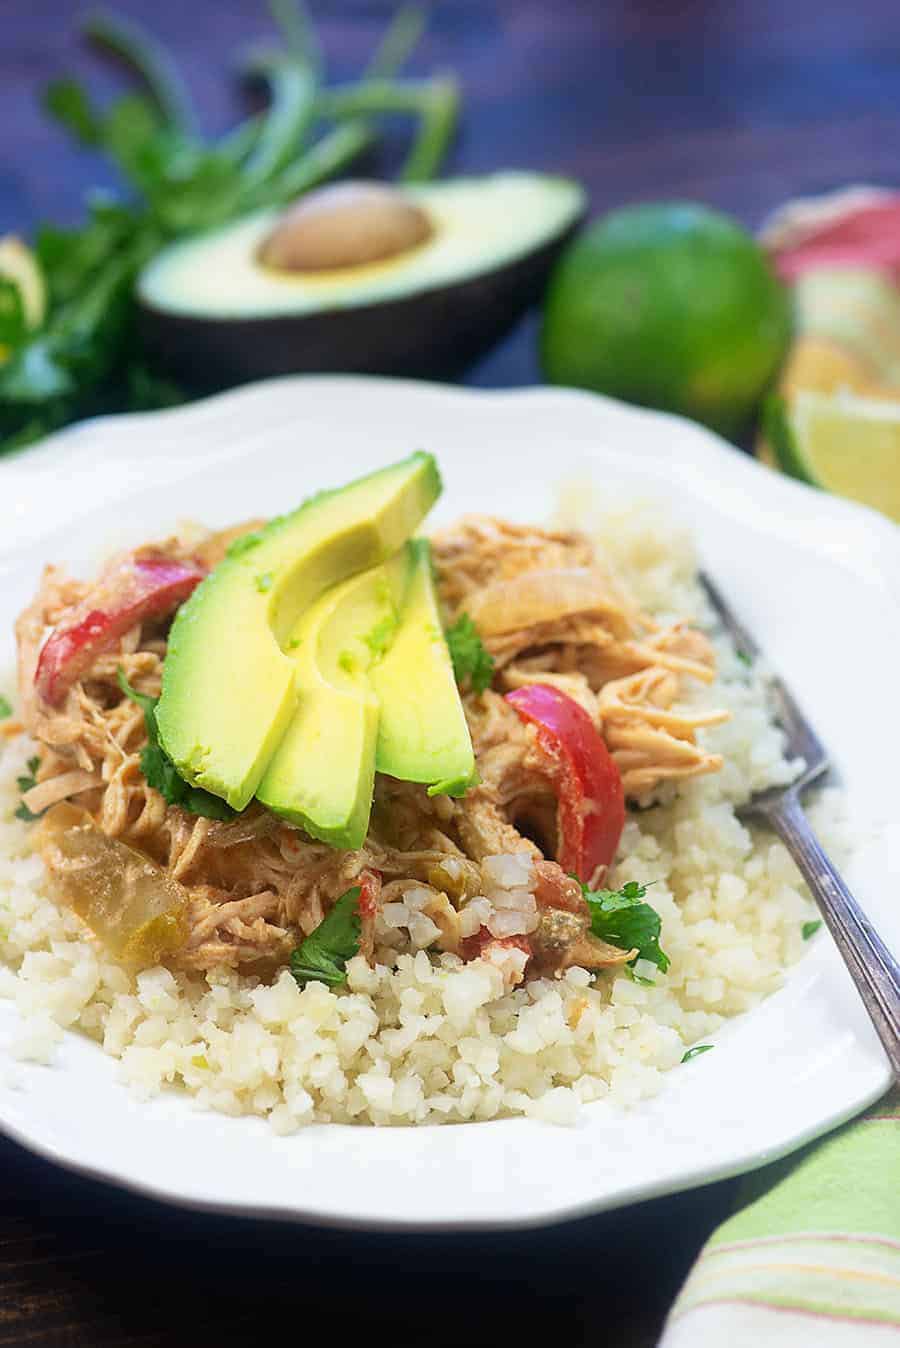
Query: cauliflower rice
[(430, 1040)]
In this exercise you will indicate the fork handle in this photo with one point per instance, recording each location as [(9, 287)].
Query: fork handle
[(873, 968)]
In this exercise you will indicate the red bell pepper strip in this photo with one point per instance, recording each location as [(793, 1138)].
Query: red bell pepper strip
[(590, 801), (133, 590), (474, 947), (369, 891)]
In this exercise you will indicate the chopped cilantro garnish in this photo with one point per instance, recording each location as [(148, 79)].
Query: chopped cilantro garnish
[(22, 812), (744, 657), (293, 643), (243, 544), (696, 1051), (471, 661), (346, 662), (5, 708), (810, 928), (619, 917), (160, 771), (24, 784), (264, 582), (382, 634), (322, 957)]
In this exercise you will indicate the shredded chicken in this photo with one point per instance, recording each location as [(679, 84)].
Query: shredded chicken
[(548, 611), (649, 740), (595, 644)]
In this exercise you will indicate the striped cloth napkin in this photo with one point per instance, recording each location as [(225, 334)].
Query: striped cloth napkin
[(812, 1258)]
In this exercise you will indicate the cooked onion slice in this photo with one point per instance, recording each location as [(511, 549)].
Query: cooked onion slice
[(136, 910), (544, 596)]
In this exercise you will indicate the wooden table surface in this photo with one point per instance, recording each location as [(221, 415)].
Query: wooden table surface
[(738, 103)]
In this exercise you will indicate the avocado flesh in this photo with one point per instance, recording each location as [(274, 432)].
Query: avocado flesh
[(423, 735), (229, 689), (213, 315), (322, 772)]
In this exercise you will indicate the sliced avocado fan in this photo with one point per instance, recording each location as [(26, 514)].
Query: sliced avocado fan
[(229, 690)]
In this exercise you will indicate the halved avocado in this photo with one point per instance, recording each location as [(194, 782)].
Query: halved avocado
[(471, 255)]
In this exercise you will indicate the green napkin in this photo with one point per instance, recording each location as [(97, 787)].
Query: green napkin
[(813, 1256)]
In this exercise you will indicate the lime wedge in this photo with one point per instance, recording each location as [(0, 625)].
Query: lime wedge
[(841, 443)]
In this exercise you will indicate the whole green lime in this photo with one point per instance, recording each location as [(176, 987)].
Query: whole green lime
[(670, 305)]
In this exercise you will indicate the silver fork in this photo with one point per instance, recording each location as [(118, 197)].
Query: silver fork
[(873, 968)]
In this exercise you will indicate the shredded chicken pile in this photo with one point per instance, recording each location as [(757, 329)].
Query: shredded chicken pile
[(547, 611)]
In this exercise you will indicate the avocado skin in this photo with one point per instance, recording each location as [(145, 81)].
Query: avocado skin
[(434, 334)]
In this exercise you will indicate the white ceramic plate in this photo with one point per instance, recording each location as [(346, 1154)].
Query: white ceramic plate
[(815, 577)]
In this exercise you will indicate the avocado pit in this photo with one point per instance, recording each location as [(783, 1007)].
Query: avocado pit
[(349, 224)]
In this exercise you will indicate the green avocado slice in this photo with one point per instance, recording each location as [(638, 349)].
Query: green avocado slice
[(322, 772), (423, 735), (229, 689)]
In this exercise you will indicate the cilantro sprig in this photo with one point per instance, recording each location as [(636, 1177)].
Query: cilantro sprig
[(5, 708), (25, 783), (86, 356), (472, 663), (621, 918), (322, 957), (160, 771)]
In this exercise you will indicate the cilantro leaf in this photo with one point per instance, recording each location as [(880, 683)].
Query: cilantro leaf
[(148, 391), (5, 708), (24, 784), (696, 1051), (68, 102), (619, 917), (146, 703), (810, 928), (322, 957), (13, 327), (470, 659), (159, 770)]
